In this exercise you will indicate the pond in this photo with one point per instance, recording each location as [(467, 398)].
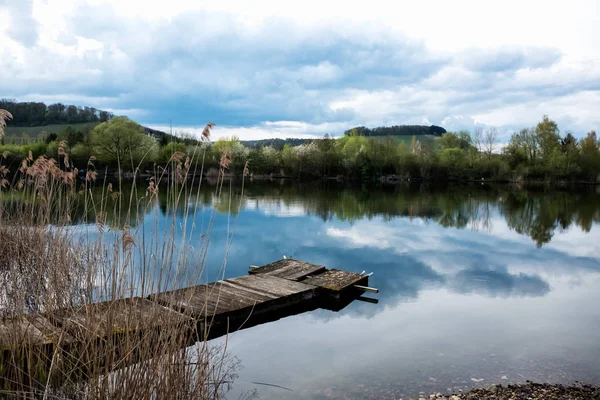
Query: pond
[(479, 284)]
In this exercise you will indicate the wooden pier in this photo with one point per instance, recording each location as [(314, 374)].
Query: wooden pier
[(273, 291)]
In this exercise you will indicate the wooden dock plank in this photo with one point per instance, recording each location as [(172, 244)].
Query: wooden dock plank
[(249, 292), (336, 280), (208, 300), (237, 295), (226, 300), (33, 330), (52, 332), (116, 317), (20, 331), (272, 285), (239, 292), (289, 269)]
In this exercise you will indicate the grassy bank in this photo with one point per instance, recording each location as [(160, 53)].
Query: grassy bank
[(15, 133)]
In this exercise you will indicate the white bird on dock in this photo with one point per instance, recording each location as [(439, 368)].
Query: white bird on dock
[(284, 257)]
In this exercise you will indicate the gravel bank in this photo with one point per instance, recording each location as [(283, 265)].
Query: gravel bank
[(526, 391)]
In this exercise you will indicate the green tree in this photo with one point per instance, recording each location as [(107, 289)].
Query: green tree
[(570, 149), (237, 151), (449, 140), (352, 150), (547, 134), (522, 148), (453, 158), (308, 159), (590, 156), (123, 141), (81, 153), (165, 153), (71, 136), (271, 159), (289, 157), (52, 150), (327, 154)]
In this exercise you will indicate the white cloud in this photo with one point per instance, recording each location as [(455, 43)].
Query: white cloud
[(276, 208), (427, 243), (326, 65), (267, 130)]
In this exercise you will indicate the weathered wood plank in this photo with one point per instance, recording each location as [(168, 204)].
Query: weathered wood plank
[(232, 296), (32, 330), (289, 269), (208, 300), (228, 300), (52, 332), (267, 268), (20, 331), (336, 280), (116, 317), (251, 296), (270, 285), (247, 291)]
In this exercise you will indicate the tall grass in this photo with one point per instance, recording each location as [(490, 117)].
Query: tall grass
[(75, 321)]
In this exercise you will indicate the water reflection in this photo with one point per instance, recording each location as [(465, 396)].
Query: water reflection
[(476, 282), (537, 212)]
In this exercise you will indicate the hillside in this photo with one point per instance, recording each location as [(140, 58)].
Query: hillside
[(36, 119), (275, 143), (34, 114), (397, 130), (428, 140), (34, 131)]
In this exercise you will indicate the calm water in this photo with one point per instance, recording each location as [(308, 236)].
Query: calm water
[(478, 285)]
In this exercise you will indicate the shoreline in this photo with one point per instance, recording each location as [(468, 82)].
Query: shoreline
[(525, 391)]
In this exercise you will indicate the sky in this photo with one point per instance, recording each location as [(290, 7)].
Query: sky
[(300, 69)]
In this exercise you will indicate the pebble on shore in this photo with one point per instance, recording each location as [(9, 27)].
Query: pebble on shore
[(526, 391)]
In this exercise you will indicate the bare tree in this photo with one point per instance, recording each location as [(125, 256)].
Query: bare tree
[(478, 138), (489, 140)]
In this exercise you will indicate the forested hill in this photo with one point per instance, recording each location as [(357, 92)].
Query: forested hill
[(34, 117), (397, 130), (29, 114), (277, 144)]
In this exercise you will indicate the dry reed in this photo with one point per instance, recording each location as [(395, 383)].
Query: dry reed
[(4, 116), (76, 322)]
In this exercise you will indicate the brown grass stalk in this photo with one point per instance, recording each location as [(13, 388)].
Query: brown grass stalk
[(77, 261)]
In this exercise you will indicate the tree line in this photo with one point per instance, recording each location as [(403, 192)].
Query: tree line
[(40, 114), (536, 153), (397, 130)]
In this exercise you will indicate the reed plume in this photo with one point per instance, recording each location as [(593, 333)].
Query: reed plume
[(52, 270), (4, 117)]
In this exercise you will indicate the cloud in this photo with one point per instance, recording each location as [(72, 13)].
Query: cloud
[(266, 130), (22, 27), (498, 283), (244, 70), (508, 59)]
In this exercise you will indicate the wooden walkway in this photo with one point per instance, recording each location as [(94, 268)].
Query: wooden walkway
[(283, 288)]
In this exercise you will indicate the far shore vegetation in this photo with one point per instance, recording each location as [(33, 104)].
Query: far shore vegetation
[(539, 153)]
